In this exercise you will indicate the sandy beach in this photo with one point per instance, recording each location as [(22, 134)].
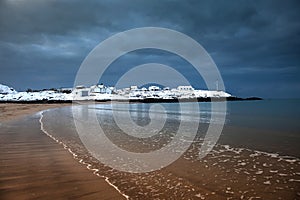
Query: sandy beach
[(13, 111), (33, 166)]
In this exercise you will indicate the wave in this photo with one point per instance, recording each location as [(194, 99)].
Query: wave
[(75, 156), (223, 155)]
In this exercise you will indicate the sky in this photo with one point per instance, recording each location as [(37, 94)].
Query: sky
[(255, 44)]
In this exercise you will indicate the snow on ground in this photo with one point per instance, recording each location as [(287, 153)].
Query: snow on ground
[(207, 93), (177, 94), (6, 90), (34, 96), (9, 94)]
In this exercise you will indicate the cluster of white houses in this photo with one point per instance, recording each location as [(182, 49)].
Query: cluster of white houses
[(94, 92), (102, 92)]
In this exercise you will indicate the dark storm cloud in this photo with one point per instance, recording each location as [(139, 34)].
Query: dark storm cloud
[(255, 44)]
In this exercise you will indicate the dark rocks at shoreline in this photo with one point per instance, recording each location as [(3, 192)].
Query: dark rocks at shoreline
[(148, 100)]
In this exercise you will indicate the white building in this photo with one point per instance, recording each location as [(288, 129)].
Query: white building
[(185, 88), (154, 88), (133, 87), (81, 92), (101, 89), (95, 92)]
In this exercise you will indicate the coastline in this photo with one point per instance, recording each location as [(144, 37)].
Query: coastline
[(230, 171), (34, 166), (10, 110), (13, 111)]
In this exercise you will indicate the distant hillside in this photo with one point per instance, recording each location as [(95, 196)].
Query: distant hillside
[(6, 90)]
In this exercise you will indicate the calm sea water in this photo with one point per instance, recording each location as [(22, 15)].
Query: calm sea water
[(268, 125), (257, 148), (280, 115)]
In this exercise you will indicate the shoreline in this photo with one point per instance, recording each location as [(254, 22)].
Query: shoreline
[(10, 110), (146, 100), (35, 157), (35, 166), (14, 111), (228, 172)]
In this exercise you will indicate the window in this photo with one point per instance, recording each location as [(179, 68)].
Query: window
[(84, 93)]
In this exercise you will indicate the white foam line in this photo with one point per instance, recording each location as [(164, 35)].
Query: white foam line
[(294, 180), (289, 159), (75, 156)]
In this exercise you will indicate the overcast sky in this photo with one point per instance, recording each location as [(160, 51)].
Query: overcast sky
[(255, 44)]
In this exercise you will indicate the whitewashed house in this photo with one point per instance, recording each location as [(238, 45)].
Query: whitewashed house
[(81, 92), (95, 92), (101, 92), (101, 89), (185, 88), (133, 87), (154, 88)]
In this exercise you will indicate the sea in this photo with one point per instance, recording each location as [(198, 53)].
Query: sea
[(188, 150)]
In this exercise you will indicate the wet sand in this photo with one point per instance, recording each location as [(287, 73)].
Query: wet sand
[(32, 166), (234, 171), (12, 111), (35, 166)]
